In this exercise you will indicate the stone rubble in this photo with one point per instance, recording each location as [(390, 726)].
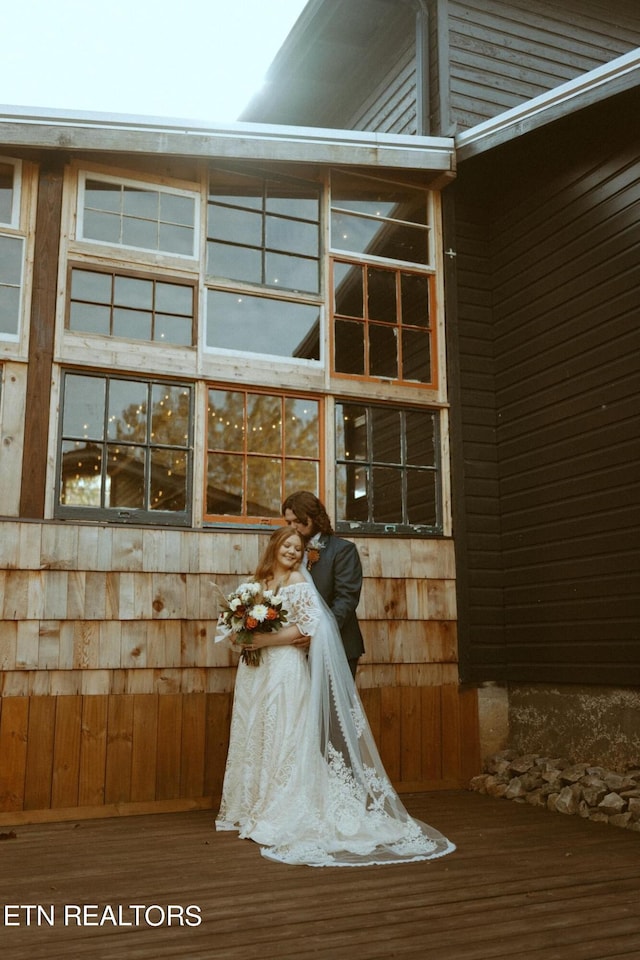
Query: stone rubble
[(591, 792)]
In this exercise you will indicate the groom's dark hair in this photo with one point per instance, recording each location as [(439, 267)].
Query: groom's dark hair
[(306, 506)]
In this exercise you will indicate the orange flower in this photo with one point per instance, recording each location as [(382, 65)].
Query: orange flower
[(272, 614), (313, 555), (251, 623)]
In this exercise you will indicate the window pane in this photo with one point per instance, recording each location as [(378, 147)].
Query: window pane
[(387, 495), (177, 209), (101, 226), (348, 297), (81, 480), (10, 260), (381, 288), (291, 273), (301, 475), (386, 429), (264, 493), (170, 415), (225, 420), (290, 235), (351, 492), (168, 480), (383, 351), (84, 400), (87, 285), (131, 324), (127, 410), (235, 226), (125, 466), (176, 239), (415, 299), (378, 199), (264, 424), (292, 200), (421, 497), (416, 356), (349, 347), (99, 195), (9, 310), (420, 438), (139, 233), (131, 292), (301, 428), (351, 432), (224, 485), (174, 298), (236, 263), (259, 325), (178, 330), (140, 203), (6, 192), (90, 318)]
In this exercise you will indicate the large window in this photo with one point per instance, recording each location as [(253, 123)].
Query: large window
[(260, 446), (387, 469), (133, 307), (135, 214), (125, 449)]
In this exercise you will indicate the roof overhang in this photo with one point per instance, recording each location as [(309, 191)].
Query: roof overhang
[(74, 131), (605, 81)]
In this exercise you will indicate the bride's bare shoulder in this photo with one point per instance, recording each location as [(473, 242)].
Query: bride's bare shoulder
[(296, 577)]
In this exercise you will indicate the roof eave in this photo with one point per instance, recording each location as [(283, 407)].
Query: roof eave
[(605, 81), (75, 131)]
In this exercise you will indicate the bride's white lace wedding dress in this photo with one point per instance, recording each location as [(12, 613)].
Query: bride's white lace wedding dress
[(303, 777)]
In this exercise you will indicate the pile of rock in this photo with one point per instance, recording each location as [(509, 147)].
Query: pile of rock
[(592, 792)]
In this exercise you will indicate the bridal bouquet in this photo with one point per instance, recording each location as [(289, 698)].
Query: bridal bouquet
[(247, 609)]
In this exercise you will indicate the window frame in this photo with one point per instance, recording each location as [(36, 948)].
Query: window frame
[(126, 515), (246, 520), (398, 528), (16, 200), (84, 174)]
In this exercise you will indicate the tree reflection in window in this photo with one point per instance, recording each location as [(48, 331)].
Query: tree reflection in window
[(260, 446), (125, 446)]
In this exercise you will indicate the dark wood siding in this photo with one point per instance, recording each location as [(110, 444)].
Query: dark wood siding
[(504, 53), (564, 235), (391, 108)]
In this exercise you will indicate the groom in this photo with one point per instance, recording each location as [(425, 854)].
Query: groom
[(334, 565)]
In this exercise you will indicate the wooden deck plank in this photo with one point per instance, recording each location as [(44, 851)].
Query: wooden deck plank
[(523, 881)]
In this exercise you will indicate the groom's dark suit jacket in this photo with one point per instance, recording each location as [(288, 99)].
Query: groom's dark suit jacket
[(338, 579)]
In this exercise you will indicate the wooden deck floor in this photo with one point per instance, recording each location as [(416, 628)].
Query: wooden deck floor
[(523, 883)]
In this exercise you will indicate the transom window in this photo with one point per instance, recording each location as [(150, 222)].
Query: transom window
[(262, 326), (9, 192), (125, 449), (260, 445), (133, 214), (377, 219), (382, 322), (387, 469), (264, 232), (137, 308), (11, 265)]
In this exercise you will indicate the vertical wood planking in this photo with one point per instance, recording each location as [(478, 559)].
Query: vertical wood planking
[(14, 722), (450, 713), (431, 739), (217, 723), (145, 747), (169, 746), (66, 752), (389, 743), (93, 750), (119, 748), (40, 753), (194, 710)]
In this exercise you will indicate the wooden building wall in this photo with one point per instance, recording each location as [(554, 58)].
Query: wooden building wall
[(504, 52), (115, 699), (549, 310)]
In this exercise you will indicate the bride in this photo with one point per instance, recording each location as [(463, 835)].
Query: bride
[(303, 776)]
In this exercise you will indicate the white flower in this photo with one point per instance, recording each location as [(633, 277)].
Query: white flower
[(235, 603), (260, 612)]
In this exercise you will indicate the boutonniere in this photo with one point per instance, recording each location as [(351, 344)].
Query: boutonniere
[(313, 551)]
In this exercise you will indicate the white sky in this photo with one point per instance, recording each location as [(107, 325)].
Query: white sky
[(194, 59)]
